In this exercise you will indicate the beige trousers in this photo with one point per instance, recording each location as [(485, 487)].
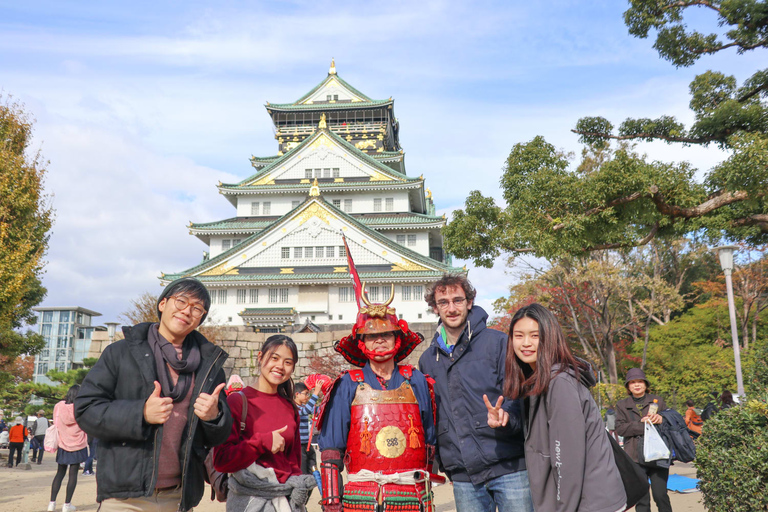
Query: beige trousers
[(160, 501)]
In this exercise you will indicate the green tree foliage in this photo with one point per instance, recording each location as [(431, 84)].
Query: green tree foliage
[(616, 198), (732, 459), (25, 220)]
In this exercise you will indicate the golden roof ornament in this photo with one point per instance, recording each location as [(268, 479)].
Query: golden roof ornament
[(332, 71), (322, 125), (429, 194), (314, 190)]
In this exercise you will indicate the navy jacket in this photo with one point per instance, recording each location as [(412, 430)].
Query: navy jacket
[(467, 448)]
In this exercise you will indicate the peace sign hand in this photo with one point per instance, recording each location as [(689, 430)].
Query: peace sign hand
[(497, 417)]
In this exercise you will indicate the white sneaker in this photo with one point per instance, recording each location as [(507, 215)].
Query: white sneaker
[(51, 506), (68, 507)]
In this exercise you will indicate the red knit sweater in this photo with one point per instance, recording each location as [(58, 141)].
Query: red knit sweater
[(265, 414)]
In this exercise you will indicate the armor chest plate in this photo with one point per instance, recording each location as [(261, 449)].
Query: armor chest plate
[(385, 432)]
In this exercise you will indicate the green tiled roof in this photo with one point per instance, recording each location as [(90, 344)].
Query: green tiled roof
[(412, 255), (328, 79), (349, 147), (330, 106), (267, 312), (368, 220), (323, 186), (337, 276)]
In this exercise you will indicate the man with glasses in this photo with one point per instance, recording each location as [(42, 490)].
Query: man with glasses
[(466, 359), (378, 420), (154, 402)]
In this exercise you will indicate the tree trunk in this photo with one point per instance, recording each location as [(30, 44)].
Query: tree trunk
[(610, 359)]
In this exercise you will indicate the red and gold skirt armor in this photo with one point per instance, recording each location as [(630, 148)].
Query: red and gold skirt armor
[(386, 436)]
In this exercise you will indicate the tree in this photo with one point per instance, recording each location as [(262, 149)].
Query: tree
[(25, 220), (616, 198), (143, 309)]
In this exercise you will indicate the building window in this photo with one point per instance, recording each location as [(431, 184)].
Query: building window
[(337, 203), (236, 241), (329, 251), (285, 253), (308, 173), (335, 172), (222, 296), (312, 317), (61, 342), (297, 253), (328, 97), (61, 366), (319, 252), (341, 317), (45, 354), (335, 97), (295, 204), (389, 204), (225, 244), (266, 207), (401, 239), (327, 173), (419, 316), (411, 240), (63, 329), (241, 294), (254, 208), (64, 316), (405, 293), (346, 294), (318, 173), (342, 251), (377, 204), (374, 294), (278, 295), (253, 295), (308, 251), (347, 205), (48, 316), (330, 317), (418, 293), (42, 368)]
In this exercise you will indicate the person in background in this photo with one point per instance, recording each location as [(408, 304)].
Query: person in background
[(726, 400), (73, 449), (41, 425), (92, 445), (306, 402), (631, 415), (264, 460), (16, 436), (4, 436), (569, 458), (692, 420)]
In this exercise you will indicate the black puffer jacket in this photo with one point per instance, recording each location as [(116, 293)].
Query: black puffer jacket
[(468, 449), (110, 407)]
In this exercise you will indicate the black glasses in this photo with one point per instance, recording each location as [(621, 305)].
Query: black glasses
[(444, 303), (181, 304)]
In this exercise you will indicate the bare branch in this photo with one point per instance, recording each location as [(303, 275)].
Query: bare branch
[(717, 200)]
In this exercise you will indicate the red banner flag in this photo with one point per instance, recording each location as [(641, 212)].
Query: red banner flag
[(353, 274)]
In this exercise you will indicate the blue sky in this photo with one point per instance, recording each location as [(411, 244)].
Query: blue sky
[(142, 107)]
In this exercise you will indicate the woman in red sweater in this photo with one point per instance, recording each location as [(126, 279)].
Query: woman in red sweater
[(271, 436)]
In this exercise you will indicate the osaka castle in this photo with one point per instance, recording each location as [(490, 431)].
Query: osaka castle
[(279, 263)]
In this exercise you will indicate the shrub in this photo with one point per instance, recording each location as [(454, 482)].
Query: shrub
[(732, 458)]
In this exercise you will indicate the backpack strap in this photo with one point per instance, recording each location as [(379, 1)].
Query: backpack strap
[(244, 413)]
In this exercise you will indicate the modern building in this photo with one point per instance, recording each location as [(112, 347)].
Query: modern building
[(280, 262), (67, 332)]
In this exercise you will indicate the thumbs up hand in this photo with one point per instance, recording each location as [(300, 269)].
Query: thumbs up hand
[(278, 441), (157, 409), (207, 406)]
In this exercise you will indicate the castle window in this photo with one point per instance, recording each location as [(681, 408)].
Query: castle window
[(390, 204), (342, 251), (297, 253), (223, 296), (329, 251), (337, 203), (346, 294), (401, 239), (374, 294), (319, 252), (335, 172), (236, 241), (418, 293), (335, 97), (377, 204), (327, 173), (225, 244), (318, 173), (241, 294), (308, 251), (347, 205), (266, 207), (405, 293), (411, 240), (285, 253), (308, 173), (278, 295), (255, 208), (253, 295)]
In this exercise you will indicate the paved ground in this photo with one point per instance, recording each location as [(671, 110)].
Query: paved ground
[(29, 491)]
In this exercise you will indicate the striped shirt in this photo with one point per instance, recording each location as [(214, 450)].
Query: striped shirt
[(305, 421)]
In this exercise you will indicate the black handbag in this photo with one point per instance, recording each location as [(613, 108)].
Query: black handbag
[(632, 475)]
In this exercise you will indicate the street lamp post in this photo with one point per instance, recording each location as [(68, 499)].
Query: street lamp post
[(111, 327), (725, 252)]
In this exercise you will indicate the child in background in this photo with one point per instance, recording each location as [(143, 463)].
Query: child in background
[(306, 405), (692, 420), (4, 436)]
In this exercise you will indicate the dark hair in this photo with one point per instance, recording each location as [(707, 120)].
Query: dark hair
[(189, 286), (726, 398), (72, 394), (299, 387), (448, 280), (520, 379), (689, 403), (286, 388)]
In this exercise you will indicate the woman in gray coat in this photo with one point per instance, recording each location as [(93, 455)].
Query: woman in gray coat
[(567, 451)]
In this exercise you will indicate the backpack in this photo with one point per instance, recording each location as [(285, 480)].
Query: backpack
[(708, 411), (220, 481), (675, 434)]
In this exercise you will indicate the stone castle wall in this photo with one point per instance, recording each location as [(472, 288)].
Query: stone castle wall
[(243, 344)]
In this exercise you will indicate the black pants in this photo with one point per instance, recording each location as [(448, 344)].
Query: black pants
[(308, 459), (71, 483), (38, 449), (659, 477), (17, 447)]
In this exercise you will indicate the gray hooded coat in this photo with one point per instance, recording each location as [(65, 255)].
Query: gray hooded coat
[(567, 452)]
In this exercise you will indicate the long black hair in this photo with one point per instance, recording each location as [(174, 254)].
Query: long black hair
[(270, 345), (72, 394)]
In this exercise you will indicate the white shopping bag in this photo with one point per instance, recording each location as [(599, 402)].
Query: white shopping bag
[(653, 445)]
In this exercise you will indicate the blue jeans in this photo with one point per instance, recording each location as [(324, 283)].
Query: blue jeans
[(506, 493)]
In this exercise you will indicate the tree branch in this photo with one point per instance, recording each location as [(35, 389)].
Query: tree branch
[(716, 200), (622, 245), (748, 95), (759, 219)]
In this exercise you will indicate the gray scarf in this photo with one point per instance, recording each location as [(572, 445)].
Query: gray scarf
[(165, 356)]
